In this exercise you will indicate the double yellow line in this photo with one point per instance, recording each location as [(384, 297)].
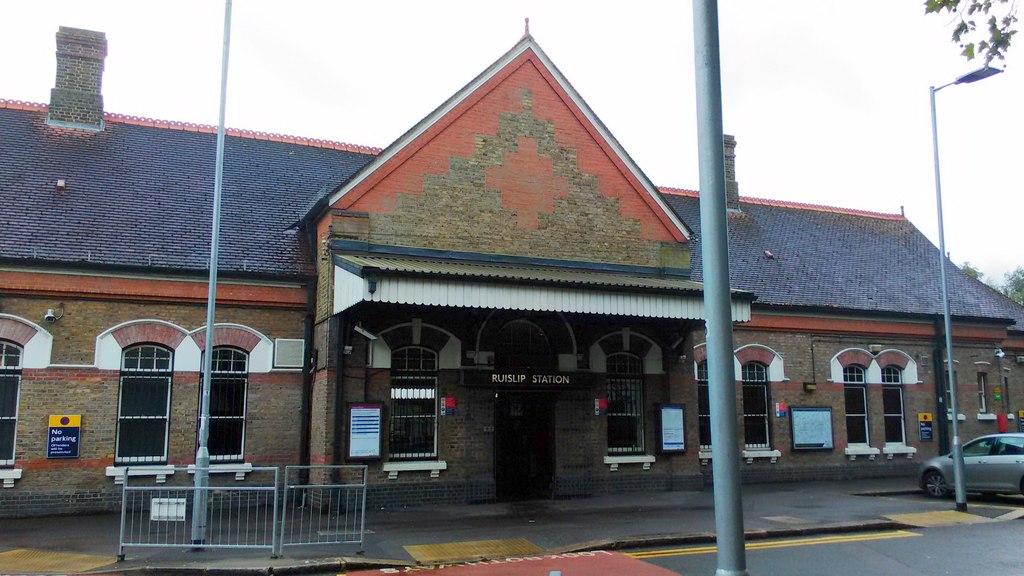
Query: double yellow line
[(769, 544)]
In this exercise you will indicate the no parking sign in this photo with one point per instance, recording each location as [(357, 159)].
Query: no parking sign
[(62, 439)]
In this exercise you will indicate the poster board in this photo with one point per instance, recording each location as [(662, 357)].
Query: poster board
[(812, 428), (671, 428), (364, 428)]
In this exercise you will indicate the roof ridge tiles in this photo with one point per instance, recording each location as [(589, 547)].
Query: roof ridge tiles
[(791, 204), (207, 128)]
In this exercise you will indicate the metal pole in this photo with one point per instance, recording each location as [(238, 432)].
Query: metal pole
[(202, 476), (958, 456), (717, 298)]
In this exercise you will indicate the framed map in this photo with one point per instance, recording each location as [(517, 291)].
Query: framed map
[(671, 428), (812, 428)]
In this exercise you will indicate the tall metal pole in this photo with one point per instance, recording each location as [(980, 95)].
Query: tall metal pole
[(717, 297), (202, 476), (958, 457)]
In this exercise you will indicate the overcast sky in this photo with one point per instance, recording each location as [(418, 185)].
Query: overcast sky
[(828, 100)]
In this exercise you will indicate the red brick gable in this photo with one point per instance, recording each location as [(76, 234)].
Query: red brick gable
[(515, 148)]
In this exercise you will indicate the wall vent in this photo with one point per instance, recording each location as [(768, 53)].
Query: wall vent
[(289, 352)]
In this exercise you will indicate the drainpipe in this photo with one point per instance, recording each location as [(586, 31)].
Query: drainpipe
[(940, 387), (339, 380)]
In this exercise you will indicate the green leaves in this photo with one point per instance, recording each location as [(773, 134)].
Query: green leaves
[(993, 41)]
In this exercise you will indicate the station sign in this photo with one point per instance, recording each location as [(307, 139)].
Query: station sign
[(63, 437)]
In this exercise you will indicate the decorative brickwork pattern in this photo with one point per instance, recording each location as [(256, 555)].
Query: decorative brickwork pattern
[(228, 336), (15, 331), (148, 332)]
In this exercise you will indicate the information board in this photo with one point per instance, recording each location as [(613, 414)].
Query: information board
[(673, 436), (812, 428), (364, 424)]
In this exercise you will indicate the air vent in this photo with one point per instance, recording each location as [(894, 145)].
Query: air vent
[(288, 352)]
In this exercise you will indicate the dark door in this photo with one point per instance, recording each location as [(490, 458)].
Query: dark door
[(524, 446)]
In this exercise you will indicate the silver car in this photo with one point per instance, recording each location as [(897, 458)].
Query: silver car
[(993, 464)]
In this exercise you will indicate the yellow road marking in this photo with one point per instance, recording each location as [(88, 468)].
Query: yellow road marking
[(435, 553), (938, 518), (769, 544), (44, 561)]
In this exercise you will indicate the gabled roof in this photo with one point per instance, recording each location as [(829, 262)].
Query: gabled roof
[(818, 257), (348, 192), (139, 194)]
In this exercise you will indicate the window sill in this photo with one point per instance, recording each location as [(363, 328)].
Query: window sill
[(959, 417), (433, 466), (160, 472), (986, 417), (614, 461), (771, 455), (861, 450), (9, 475), (239, 469), (891, 450)]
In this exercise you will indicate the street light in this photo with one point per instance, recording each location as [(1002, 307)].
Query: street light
[(958, 456)]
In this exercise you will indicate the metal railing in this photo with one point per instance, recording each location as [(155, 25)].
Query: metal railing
[(324, 505), (238, 515)]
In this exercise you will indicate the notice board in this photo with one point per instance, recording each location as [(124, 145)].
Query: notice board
[(364, 425), (812, 428), (672, 436)]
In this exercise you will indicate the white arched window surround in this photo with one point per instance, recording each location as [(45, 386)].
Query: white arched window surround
[(187, 351), (448, 358), (652, 361), (759, 353), (874, 364), (36, 343)]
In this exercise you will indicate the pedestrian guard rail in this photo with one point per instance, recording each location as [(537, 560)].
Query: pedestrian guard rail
[(314, 505)]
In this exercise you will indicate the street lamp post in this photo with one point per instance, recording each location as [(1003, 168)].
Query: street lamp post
[(958, 456)]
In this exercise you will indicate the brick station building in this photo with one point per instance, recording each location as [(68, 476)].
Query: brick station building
[(501, 300)]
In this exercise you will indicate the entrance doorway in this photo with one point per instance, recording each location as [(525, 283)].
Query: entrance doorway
[(524, 444)]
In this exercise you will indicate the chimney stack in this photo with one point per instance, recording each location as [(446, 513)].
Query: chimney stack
[(732, 187), (75, 100)]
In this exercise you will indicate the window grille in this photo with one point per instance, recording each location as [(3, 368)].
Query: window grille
[(703, 407), (413, 416), (229, 374), (10, 384), (625, 404), (856, 405), (982, 384), (892, 406), (144, 402), (756, 425)]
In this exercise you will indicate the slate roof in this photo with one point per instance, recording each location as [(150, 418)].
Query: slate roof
[(141, 196), (833, 258)]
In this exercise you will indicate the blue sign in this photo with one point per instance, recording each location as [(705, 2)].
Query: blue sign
[(62, 439), (925, 431)]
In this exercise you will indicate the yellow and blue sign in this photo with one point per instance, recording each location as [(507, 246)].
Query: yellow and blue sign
[(924, 426), (62, 439)]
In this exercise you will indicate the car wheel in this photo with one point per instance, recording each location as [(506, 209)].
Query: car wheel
[(935, 485)]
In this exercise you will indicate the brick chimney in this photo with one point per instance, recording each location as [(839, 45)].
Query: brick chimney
[(75, 100), (732, 187)]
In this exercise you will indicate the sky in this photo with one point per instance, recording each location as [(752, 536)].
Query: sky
[(828, 100)]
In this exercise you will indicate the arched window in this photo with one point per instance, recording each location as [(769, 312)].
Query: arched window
[(413, 420), (756, 425), (892, 405), (10, 383), (625, 404), (523, 346), (856, 398), (229, 378), (703, 407), (144, 405)]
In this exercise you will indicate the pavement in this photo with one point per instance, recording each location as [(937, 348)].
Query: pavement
[(426, 535)]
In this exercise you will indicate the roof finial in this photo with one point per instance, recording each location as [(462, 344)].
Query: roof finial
[(527, 33)]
